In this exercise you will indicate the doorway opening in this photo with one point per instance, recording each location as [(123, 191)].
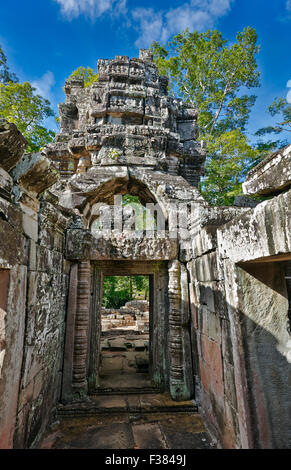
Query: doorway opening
[(125, 333), (156, 279)]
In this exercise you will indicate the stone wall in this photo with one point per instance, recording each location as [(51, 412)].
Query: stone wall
[(211, 339), (241, 329), (33, 290), (254, 250), (47, 285)]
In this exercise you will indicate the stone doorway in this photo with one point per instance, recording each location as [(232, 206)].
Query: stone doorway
[(100, 379), (170, 366)]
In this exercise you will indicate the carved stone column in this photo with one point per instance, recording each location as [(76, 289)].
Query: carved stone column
[(67, 391), (179, 383), (81, 329)]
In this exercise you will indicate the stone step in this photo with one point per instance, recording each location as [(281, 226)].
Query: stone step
[(140, 345), (144, 402), (117, 344), (142, 363)]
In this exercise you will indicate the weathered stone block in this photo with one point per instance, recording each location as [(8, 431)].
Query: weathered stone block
[(229, 384), (11, 244), (211, 369), (271, 176), (187, 130), (211, 295), (12, 145), (32, 255), (119, 246), (205, 268), (11, 367), (30, 223), (6, 183), (231, 433), (35, 173), (227, 353), (214, 327), (49, 261), (260, 233)]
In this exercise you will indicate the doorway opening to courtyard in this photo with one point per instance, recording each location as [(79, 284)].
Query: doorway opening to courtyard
[(125, 333), (129, 312)]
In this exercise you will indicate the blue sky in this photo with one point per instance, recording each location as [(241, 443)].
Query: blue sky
[(45, 40)]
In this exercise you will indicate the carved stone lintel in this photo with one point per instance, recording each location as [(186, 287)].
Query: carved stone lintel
[(81, 328)]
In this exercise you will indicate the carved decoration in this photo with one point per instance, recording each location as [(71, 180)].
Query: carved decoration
[(81, 327), (175, 333)]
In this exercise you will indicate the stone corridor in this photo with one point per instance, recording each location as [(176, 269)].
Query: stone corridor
[(219, 290)]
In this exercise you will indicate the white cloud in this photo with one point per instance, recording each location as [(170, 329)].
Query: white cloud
[(160, 25), (288, 5), (91, 8), (152, 24), (44, 85)]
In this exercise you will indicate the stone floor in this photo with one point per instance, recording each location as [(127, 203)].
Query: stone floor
[(124, 361), (128, 422), (123, 381)]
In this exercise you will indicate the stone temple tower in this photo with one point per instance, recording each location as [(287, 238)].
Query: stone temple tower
[(127, 119)]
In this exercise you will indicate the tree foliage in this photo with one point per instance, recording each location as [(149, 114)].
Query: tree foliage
[(231, 159), (280, 109), (86, 73), (214, 76), (5, 75), (27, 110), (117, 290)]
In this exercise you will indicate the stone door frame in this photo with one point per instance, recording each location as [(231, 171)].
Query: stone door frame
[(170, 348), (158, 275)]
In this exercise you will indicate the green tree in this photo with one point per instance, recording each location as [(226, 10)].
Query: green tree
[(117, 290), (5, 75), (87, 73), (280, 109), (213, 76), (231, 159), (27, 110)]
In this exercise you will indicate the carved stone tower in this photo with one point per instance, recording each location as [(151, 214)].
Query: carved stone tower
[(126, 118)]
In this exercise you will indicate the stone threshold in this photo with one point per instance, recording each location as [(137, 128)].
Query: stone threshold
[(124, 391), (138, 403)]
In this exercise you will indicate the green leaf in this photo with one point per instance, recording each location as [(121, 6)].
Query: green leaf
[(27, 110), (85, 73), (5, 75)]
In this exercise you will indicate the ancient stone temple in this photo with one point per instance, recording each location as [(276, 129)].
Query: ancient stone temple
[(220, 292)]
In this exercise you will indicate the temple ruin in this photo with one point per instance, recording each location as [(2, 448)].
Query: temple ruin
[(220, 285)]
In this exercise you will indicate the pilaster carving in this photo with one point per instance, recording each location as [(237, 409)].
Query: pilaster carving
[(81, 328), (175, 333), (180, 388)]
